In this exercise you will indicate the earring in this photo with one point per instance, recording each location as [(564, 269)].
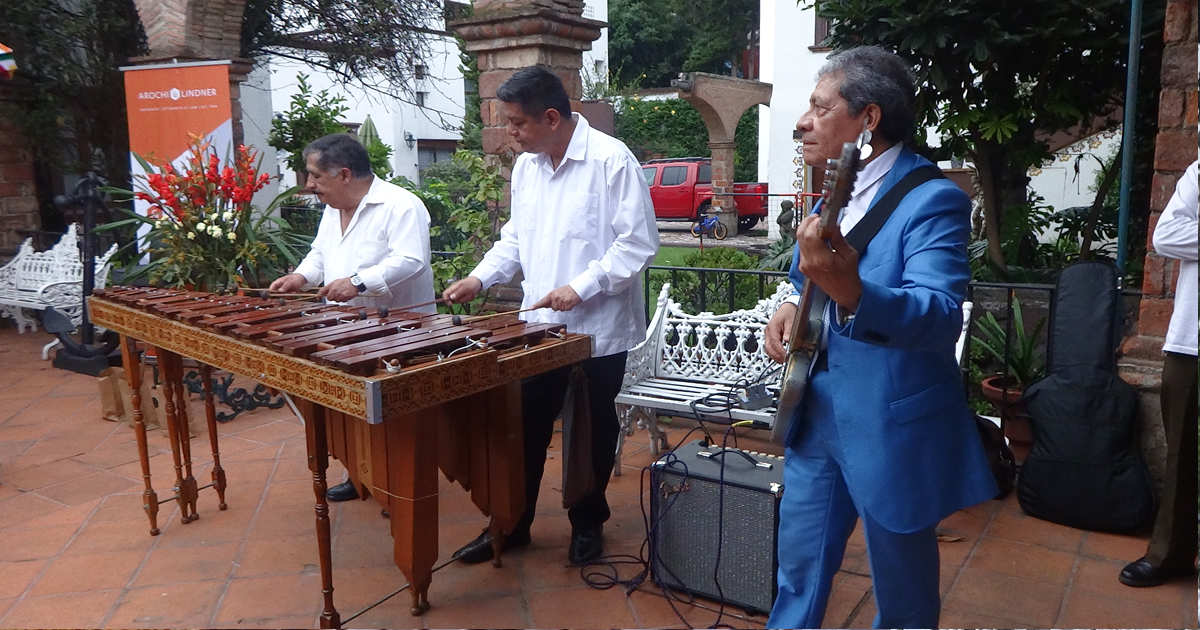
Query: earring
[(864, 144)]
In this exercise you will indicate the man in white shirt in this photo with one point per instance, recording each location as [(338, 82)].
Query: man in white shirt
[(372, 246), (1172, 549), (582, 231)]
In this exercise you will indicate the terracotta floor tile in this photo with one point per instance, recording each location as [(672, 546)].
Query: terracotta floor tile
[(110, 456), (284, 556), (96, 538), (213, 528), (86, 488), (171, 606), (15, 577), (356, 548), (1099, 577), (51, 410), (1115, 546), (970, 521), (5, 606), (171, 565), (33, 544), (1013, 525), (958, 619), (77, 385), (355, 590), (33, 432), (301, 621), (1084, 610), (11, 449), (269, 597), (272, 433), (76, 515), (577, 607), (466, 581), (1024, 561), (25, 506), (850, 592), (80, 610), (79, 574), (13, 406), (865, 616), (121, 507), (652, 609), (1028, 603), (27, 392), (484, 612), (47, 474)]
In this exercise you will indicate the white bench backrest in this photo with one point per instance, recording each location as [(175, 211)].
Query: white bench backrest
[(60, 263)]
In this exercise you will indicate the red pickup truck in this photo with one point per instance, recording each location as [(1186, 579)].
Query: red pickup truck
[(681, 189)]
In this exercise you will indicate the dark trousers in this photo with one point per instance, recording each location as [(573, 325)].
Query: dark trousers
[(542, 398), (1173, 544)]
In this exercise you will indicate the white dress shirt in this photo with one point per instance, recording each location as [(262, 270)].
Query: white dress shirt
[(589, 224), (1175, 236), (386, 244)]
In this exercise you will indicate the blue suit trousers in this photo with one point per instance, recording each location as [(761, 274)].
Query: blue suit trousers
[(817, 515)]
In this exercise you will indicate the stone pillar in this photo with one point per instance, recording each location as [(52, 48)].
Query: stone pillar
[(1175, 149), (721, 101), (18, 200)]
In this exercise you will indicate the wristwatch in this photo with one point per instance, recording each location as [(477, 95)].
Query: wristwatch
[(358, 283)]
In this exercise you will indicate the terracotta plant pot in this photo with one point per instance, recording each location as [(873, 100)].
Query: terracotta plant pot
[(1012, 411)]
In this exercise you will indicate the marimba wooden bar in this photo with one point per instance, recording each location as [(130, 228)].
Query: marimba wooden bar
[(394, 396)]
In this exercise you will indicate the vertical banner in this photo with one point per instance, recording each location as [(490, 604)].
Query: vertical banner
[(168, 104)]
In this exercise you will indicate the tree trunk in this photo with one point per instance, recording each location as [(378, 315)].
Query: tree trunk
[(988, 187), (1089, 228)]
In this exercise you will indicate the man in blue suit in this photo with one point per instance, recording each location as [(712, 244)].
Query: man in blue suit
[(884, 433)]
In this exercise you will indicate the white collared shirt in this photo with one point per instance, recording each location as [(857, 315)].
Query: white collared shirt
[(1175, 236), (866, 186), (386, 244), (589, 224)]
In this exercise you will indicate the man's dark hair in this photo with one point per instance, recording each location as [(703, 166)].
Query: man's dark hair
[(876, 75), (536, 90), (340, 150)]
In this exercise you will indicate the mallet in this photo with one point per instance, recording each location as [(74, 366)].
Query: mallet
[(459, 320)]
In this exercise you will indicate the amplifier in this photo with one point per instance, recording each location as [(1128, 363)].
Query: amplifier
[(693, 515)]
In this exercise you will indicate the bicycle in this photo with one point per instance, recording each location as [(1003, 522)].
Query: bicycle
[(710, 226)]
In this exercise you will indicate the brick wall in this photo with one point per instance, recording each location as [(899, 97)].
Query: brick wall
[(192, 29), (18, 201)]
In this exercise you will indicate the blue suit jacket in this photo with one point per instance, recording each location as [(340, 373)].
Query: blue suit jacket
[(912, 452)]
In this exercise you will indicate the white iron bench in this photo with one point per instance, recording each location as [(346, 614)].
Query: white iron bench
[(36, 280), (688, 358), (670, 371)]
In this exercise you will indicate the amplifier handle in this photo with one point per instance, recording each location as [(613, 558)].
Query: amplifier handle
[(723, 451)]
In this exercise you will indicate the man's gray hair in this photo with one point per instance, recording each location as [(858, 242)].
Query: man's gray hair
[(875, 75), (340, 150)]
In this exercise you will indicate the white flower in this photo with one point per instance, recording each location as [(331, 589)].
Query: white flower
[(232, 236), (200, 227), (215, 231), (228, 216), (191, 236)]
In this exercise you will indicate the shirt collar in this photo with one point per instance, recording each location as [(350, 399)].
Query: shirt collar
[(876, 169), (576, 148), (375, 193)]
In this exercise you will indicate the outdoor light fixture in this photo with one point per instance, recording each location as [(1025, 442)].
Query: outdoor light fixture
[(409, 139)]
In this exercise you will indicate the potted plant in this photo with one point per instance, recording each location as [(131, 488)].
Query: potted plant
[(1022, 363)]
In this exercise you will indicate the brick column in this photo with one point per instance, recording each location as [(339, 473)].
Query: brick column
[(1175, 149), (722, 182), (18, 201)]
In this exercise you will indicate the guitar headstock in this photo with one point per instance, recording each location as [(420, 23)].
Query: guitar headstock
[(840, 175)]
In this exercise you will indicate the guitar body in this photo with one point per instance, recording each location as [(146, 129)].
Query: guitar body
[(804, 340)]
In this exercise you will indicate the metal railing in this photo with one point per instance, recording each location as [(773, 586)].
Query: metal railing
[(723, 281)]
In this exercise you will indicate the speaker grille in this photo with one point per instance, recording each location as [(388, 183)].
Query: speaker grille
[(687, 517)]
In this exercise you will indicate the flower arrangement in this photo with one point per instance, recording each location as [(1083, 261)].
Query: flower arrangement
[(205, 233)]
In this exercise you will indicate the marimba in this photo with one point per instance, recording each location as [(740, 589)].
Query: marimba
[(394, 395)]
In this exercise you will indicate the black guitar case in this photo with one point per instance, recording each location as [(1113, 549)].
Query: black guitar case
[(1084, 469)]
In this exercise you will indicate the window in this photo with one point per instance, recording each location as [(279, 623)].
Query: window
[(649, 172), (674, 175), (704, 173), (820, 33), (598, 66), (433, 151), (420, 71), (421, 96)]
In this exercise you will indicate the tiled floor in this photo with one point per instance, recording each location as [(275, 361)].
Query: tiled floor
[(75, 549)]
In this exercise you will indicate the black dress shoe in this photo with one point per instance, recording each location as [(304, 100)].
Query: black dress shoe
[(480, 549), (586, 545), (1140, 573), (344, 491)]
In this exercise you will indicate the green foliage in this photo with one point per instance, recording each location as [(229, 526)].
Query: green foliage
[(381, 158), (778, 256), (68, 96), (1024, 362), (468, 64), (310, 116), (1027, 70), (465, 213), (673, 128), (687, 289)]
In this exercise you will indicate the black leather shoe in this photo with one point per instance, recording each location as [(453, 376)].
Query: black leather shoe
[(344, 491), (1140, 573), (586, 545), (480, 549)]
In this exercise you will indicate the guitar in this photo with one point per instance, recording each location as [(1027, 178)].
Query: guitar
[(807, 325)]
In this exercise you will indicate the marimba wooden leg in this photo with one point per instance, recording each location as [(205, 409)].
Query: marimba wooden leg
[(505, 463), (210, 412), (189, 491), (133, 375), (413, 500), (318, 462), (166, 362)]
